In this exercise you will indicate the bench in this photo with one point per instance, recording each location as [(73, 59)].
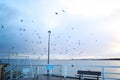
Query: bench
[(88, 75)]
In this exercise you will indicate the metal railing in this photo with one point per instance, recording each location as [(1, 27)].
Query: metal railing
[(112, 72), (25, 71), (8, 72), (107, 72)]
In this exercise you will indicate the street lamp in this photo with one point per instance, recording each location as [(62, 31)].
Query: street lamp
[(49, 32), (48, 62)]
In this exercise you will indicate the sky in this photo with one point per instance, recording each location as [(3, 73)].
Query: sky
[(79, 28)]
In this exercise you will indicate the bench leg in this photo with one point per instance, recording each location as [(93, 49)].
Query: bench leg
[(97, 77), (80, 77)]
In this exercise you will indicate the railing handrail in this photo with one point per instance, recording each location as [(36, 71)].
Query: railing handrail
[(41, 65), (11, 68)]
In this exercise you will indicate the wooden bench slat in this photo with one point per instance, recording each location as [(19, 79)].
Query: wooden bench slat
[(89, 74)]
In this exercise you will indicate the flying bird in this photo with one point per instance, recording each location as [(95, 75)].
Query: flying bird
[(21, 20), (56, 13), (63, 10), (2, 26)]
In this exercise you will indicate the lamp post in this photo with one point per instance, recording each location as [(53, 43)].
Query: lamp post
[(48, 62), (49, 32)]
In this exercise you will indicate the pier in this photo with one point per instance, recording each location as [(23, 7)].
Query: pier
[(56, 72)]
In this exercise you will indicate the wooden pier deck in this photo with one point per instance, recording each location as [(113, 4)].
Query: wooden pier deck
[(55, 78), (42, 77)]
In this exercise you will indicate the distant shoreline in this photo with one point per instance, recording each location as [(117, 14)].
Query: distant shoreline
[(76, 59), (99, 59)]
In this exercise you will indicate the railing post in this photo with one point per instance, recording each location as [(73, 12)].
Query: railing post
[(102, 72), (38, 70), (50, 72), (11, 75), (65, 71)]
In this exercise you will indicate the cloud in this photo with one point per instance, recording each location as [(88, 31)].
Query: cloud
[(91, 8), (7, 13)]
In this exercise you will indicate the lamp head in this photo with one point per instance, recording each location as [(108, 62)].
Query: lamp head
[(49, 31)]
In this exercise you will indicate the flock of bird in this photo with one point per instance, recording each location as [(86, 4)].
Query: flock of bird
[(43, 50)]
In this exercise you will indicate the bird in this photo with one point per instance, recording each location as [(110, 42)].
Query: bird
[(2, 26), (72, 28), (25, 40), (63, 10), (21, 20), (24, 29), (56, 13), (79, 44), (20, 29)]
